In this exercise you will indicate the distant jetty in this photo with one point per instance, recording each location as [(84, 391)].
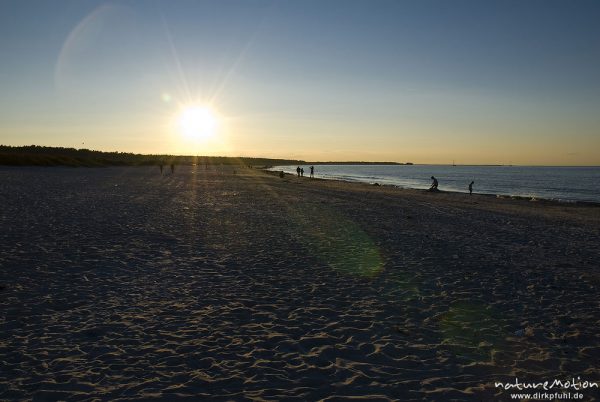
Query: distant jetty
[(358, 163)]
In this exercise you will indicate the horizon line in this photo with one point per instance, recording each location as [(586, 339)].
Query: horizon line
[(346, 162)]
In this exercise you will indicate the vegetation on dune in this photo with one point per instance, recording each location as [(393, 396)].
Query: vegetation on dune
[(35, 155)]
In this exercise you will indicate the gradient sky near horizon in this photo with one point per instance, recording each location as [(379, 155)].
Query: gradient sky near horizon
[(423, 81)]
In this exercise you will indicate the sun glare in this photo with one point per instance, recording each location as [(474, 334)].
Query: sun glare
[(196, 122)]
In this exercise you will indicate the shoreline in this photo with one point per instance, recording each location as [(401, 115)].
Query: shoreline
[(495, 195)]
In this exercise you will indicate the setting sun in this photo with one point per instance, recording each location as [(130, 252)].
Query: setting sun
[(197, 122)]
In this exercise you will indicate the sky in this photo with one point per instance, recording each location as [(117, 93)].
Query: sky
[(469, 82)]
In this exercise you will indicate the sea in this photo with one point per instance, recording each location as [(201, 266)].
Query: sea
[(566, 184)]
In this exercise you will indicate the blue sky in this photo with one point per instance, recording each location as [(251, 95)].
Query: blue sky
[(425, 81)]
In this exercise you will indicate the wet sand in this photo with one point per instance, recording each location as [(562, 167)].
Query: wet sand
[(120, 284)]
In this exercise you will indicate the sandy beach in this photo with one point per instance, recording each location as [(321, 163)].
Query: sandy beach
[(125, 284)]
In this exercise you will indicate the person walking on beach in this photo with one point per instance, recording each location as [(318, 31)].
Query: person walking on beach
[(312, 172), (471, 188), (302, 172), (434, 185), (298, 171)]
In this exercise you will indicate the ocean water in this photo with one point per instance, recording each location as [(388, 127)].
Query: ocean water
[(554, 183)]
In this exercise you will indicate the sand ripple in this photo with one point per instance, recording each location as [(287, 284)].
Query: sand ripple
[(123, 284)]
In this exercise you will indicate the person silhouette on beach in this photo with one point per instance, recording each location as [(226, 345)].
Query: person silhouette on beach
[(434, 185), (312, 172), (298, 171), (172, 168), (302, 172), (471, 188)]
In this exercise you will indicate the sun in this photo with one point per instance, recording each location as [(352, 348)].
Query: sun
[(197, 122)]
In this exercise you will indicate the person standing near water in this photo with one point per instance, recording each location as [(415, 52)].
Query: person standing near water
[(471, 188), (312, 172), (434, 185)]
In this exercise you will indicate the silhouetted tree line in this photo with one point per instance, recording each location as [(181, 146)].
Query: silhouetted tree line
[(35, 155)]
